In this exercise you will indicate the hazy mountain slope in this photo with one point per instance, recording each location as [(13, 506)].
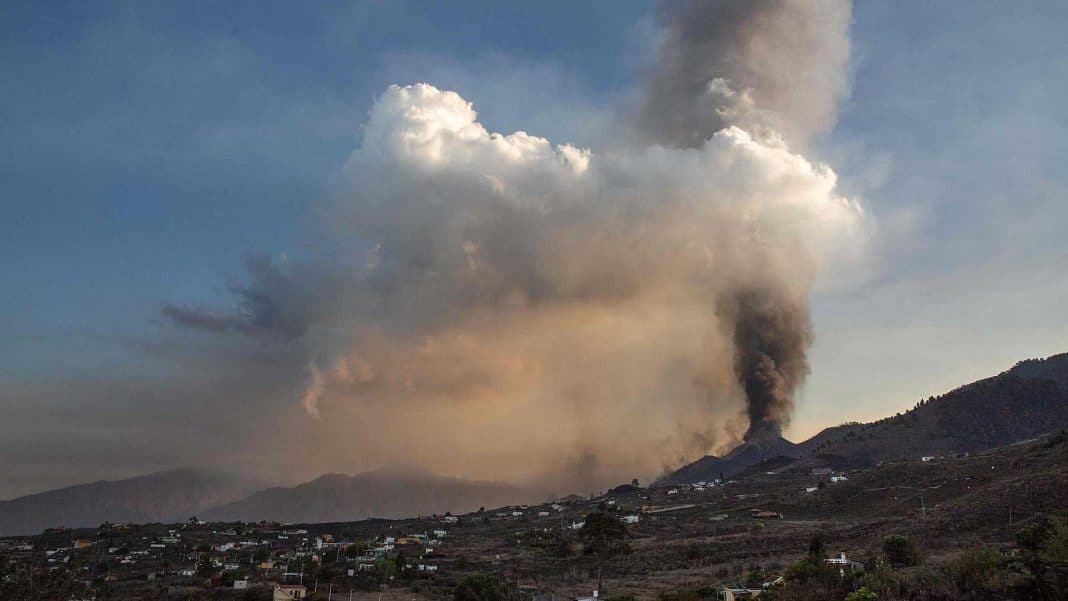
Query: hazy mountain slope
[(338, 497), (163, 496), (1029, 399)]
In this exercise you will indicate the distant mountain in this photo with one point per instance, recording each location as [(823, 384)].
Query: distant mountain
[(382, 494), (164, 496), (1029, 399)]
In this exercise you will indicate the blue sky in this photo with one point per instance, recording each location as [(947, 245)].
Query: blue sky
[(148, 148)]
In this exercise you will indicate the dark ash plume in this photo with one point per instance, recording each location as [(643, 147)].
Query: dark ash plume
[(772, 333)]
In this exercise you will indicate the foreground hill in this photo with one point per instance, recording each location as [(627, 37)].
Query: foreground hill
[(380, 494), (164, 496), (1027, 400)]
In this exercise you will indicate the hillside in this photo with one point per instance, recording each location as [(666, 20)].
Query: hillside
[(1027, 400), (382, 494), (163, 496)]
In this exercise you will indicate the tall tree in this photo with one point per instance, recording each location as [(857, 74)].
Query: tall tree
[(604, 537)]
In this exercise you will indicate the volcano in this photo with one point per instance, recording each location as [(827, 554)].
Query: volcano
[(738, 459)]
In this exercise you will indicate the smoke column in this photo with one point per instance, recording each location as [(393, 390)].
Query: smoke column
[(777, 68)]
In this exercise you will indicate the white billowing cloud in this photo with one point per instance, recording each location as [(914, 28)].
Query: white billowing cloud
[(558, 304)]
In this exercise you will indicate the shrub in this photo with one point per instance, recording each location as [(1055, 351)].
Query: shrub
[(900, 550), (861, 594), (483, 587)]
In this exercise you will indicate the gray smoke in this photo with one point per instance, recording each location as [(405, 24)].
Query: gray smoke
[(757, 64)]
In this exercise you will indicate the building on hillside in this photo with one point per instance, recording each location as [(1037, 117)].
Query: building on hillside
[(630, 519), (290, 592), (845, 562)]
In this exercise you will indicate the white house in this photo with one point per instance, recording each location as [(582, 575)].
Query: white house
[(630, 519), (843, 561)]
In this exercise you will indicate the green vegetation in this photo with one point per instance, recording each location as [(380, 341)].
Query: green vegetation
[(861, 594), (484, 587), (1036, 569), (900, 550)]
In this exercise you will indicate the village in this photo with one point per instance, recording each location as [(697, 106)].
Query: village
[(726, 540)]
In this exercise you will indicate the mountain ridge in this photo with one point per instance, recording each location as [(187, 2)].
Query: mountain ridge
[(377, 494), (168, 495)]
